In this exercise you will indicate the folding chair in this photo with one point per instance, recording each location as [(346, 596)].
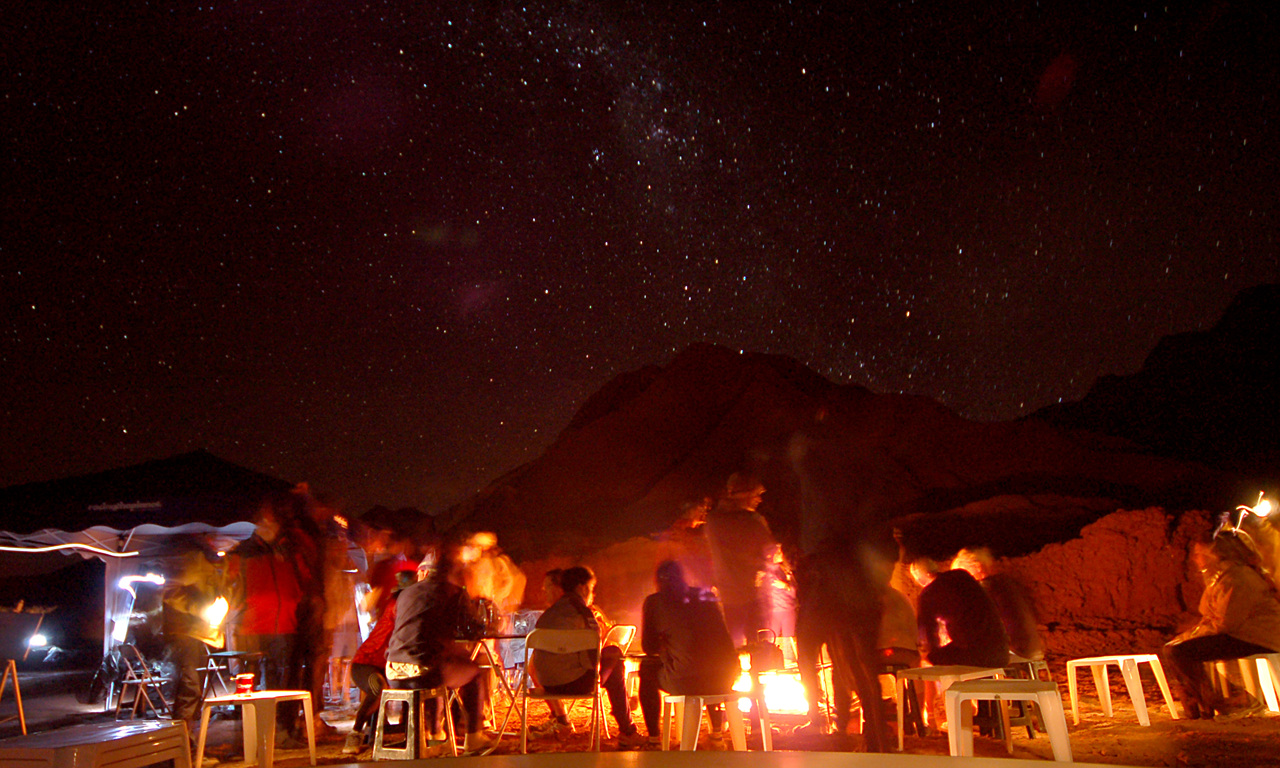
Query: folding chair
[(620, 635), (561, 641), (137, 673)]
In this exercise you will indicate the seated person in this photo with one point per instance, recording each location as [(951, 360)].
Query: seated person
[(1012, 601), (369, 668), (684, 629), (1239, 617), (573, 673), (423, 652), (957, 621)]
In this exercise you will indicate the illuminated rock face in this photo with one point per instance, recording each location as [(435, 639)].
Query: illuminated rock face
[(845, 461), (1124, 586)]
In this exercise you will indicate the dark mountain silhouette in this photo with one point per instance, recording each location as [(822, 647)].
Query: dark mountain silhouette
[(839, 462), (1208, 396)]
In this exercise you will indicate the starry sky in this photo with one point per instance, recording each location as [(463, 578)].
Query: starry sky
[(390, 247)]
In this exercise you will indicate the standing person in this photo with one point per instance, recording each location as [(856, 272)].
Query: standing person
[(1239, 617), (741, 546), (423, 652), (1014, 605), (192, 619), (268, 574), (684, 629), (574, 673)]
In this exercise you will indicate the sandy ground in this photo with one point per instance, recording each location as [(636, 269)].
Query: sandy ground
[(50, 701)]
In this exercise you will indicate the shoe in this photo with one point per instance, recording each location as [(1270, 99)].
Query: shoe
[(1255, 708), (633, 740), (290, 742), (354, 743), (809, 730), (551, 727), (477, 743)]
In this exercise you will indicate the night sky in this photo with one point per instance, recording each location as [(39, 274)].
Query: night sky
[(390, 247)]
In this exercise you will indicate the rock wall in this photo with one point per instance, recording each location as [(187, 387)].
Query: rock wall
[(1124, 586)]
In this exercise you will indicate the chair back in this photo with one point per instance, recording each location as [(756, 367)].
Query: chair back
[(561, 641), (620, 635)]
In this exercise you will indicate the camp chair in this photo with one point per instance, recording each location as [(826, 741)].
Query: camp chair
[(561, 641), (137, 673)]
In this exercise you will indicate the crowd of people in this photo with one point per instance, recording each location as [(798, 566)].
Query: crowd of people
[(292, 605)]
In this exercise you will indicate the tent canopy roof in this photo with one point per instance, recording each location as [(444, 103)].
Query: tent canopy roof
[(195, 487)]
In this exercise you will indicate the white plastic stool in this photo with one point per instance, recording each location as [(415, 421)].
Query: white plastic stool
[(944, 676), (1044, 693), (1128, 665), (692, 720), (416, 731)]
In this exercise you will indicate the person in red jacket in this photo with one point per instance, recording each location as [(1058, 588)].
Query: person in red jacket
[(268, 574), (369, 666)]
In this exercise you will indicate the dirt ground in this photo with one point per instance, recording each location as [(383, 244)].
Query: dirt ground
[(1118, 740)]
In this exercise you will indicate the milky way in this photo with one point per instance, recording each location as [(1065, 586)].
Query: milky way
[(390, 247)]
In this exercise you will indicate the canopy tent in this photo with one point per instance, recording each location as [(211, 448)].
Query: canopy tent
[(125, 517), (128, 555)]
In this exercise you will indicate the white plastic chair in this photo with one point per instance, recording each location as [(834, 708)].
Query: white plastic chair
[(561, 641)]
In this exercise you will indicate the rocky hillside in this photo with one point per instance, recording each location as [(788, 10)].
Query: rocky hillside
[(842, 462)]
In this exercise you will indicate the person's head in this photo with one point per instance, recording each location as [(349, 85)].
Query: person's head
[(1208, 555), (978, 562), (924, 570), (744, 491), (580, 581), (273, 515), (669, 578), (551, 585)]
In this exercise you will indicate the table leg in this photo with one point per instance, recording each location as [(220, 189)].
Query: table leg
[(901, 684), (1103, 687), (264, 720), (1158, 668), (1071, 689), (204, 731), (1129, 670), (311, 727)]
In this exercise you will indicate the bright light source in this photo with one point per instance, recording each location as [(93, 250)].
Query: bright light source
[(1262, 508), (215, 612), (37, 641), (126, 583)]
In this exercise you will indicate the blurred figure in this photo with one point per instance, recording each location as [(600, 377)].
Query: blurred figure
[(1012, 601), (423, 652), (369, 668), (268, 572), (957, 621), (684, 629), (777, 593), (741, 547), (1239, 617), (841, 607), (573, 673), (194, 607), (387, 553)]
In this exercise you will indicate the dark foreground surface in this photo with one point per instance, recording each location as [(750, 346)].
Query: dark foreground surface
[(51, 701)]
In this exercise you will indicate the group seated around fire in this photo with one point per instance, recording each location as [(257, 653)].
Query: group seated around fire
[(693, 640)]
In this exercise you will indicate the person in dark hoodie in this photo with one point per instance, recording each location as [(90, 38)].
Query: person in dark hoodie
[(683, 628)]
